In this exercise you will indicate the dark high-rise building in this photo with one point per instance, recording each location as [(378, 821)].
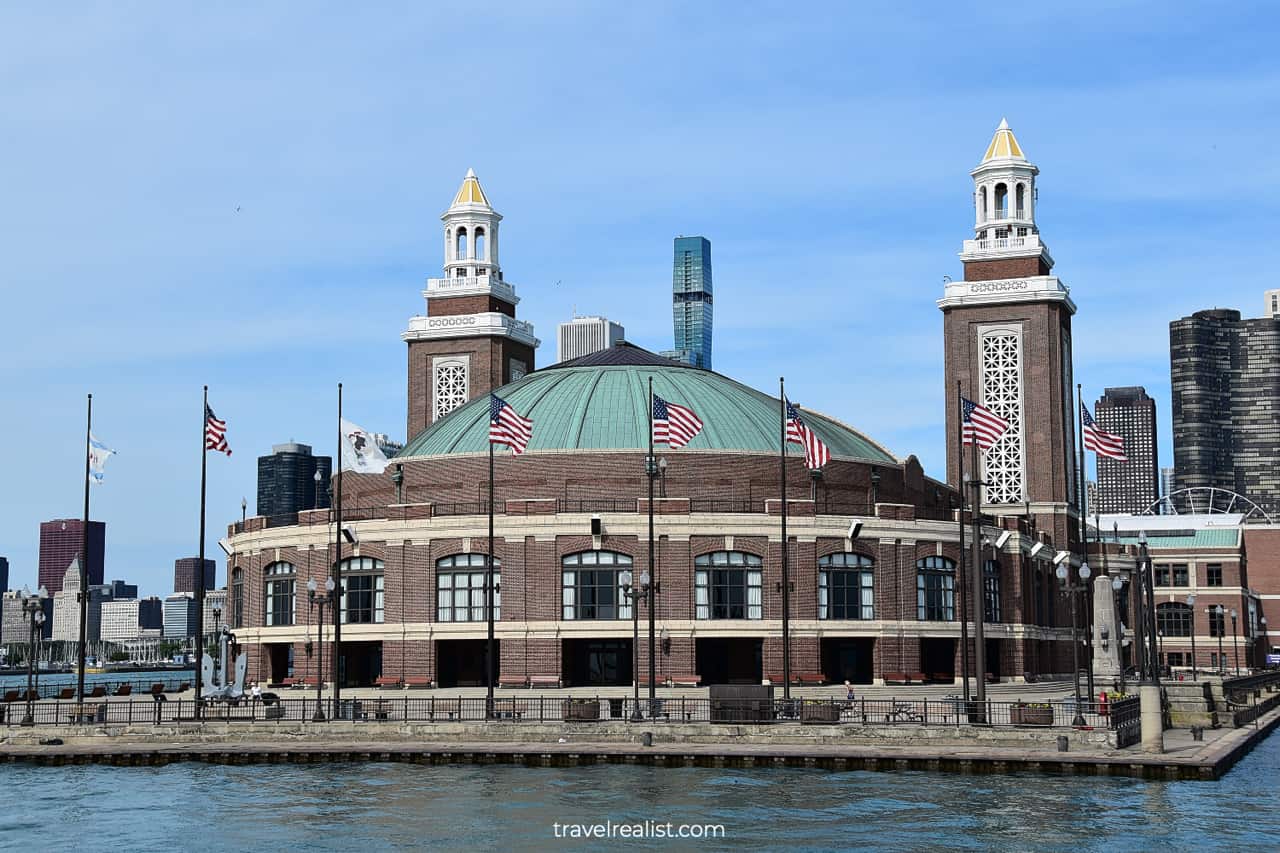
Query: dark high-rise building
[(151, 613), (287, 480), (1225, 374), (691, 302), (4, 574), (184, 574), (59, 545), (1128, 488), (121, 591)]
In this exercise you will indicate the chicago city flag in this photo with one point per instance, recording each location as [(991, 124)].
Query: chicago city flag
[(98, 455), (360, 453)]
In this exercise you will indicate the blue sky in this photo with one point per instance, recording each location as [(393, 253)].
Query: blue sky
[(825, 155)]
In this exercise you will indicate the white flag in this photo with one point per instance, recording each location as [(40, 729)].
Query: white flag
[(98, 455), (360, 453)]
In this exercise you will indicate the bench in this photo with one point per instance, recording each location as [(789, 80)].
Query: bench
[(417, 682), (384, 681), (98, 692), (123, 690), (291, 683), (512, 681), (552, 681), (67, 693), (688, 680), (919, 677), (802, 678), (896, 678), (183, 687), (10, 696)]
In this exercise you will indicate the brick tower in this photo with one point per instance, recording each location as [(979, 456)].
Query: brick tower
[(1007, 335), (470, 341)]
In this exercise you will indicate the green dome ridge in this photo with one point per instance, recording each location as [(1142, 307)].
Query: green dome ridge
[(603, 406)]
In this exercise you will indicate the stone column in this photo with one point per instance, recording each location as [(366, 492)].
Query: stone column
[(1152, 716), (1106, 661)]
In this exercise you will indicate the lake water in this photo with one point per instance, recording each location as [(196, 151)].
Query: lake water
[(49, 680), (373, 807)]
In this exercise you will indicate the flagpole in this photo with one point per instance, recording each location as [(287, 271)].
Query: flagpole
[(964, 619), (652, 470), (488, 588), (1084, 543), (84, 557), (979, 597), (204, 460), (337, 581), (786, 575)]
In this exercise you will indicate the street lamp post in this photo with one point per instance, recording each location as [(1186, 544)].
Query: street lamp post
[(1235, 641), (315, 503), (244, 511), (633, 594), (1160, 647), (1191, 605), (33, 609), (320, 601), (1217, 610), (1072, 590), (662, 475), (1262, 622)]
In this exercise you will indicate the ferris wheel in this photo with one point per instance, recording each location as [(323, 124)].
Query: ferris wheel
[(1207, 500)]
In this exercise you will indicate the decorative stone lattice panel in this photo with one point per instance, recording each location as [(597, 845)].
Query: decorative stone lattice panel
[(450, 381), (1002, 393)]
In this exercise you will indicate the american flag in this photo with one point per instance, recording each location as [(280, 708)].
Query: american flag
[(816, 454), (674, 424), (1100, 442), (215, 432), (508, 427), (982, 426)]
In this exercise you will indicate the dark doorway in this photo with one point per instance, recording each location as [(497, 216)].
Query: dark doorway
[(279, 662), (597, 663), (361, 664), (993, 658), (938, 658), (460, 663), (847, 659), (733, 660)]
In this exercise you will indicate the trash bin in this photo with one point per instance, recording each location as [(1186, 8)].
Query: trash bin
[(615, 708), (351, 709)]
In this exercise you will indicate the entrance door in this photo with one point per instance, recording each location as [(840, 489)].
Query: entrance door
[(361, 664), (279, 662), (460, 663), (731, 660), (597, 663), (993, 658), (938, 658), (848, 659)]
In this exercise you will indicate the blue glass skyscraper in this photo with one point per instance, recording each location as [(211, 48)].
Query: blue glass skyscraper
[(691, 303)]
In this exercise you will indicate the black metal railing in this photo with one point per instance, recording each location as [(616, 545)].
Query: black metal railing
[(468, 508), (951, 711), (57, 686), (597, 505)]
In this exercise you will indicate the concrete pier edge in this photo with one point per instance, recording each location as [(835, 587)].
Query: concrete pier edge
[(1206, 764)]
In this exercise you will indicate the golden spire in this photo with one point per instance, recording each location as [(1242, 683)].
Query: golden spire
[(1003, 145), (470, 192)]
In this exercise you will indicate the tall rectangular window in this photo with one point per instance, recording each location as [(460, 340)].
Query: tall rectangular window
[(590, 587), (845, 587), (935, 589), (727, 585), (1213, 574), (460, 595)]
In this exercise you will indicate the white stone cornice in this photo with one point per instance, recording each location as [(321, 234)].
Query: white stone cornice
[(1040, 288), (485, 324)]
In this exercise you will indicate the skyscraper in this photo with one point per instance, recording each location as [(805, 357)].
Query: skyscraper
[(4, 573), (184, 574), (1225, 375), (585, 335), (59, 545), (1130, 487), (1271, 299), (691, 302), (287, 480)]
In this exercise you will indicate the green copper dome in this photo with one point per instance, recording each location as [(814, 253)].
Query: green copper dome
[(599, 402)]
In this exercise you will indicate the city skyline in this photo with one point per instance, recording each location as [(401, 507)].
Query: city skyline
[(235, 271)]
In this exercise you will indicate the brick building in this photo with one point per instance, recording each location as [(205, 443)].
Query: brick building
[(873, 544), (61, 542)]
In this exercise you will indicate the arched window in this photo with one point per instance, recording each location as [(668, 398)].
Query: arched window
[(1173, 619), (361, 591), (845, 587), (1001, 198), (480, 247), (727, 586), (460, 246), (991, 591), (448, 242), (280, 582), (460, 588), (1020, 199), (982, 203), (237, 597), (590, 588), (935, 589)]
